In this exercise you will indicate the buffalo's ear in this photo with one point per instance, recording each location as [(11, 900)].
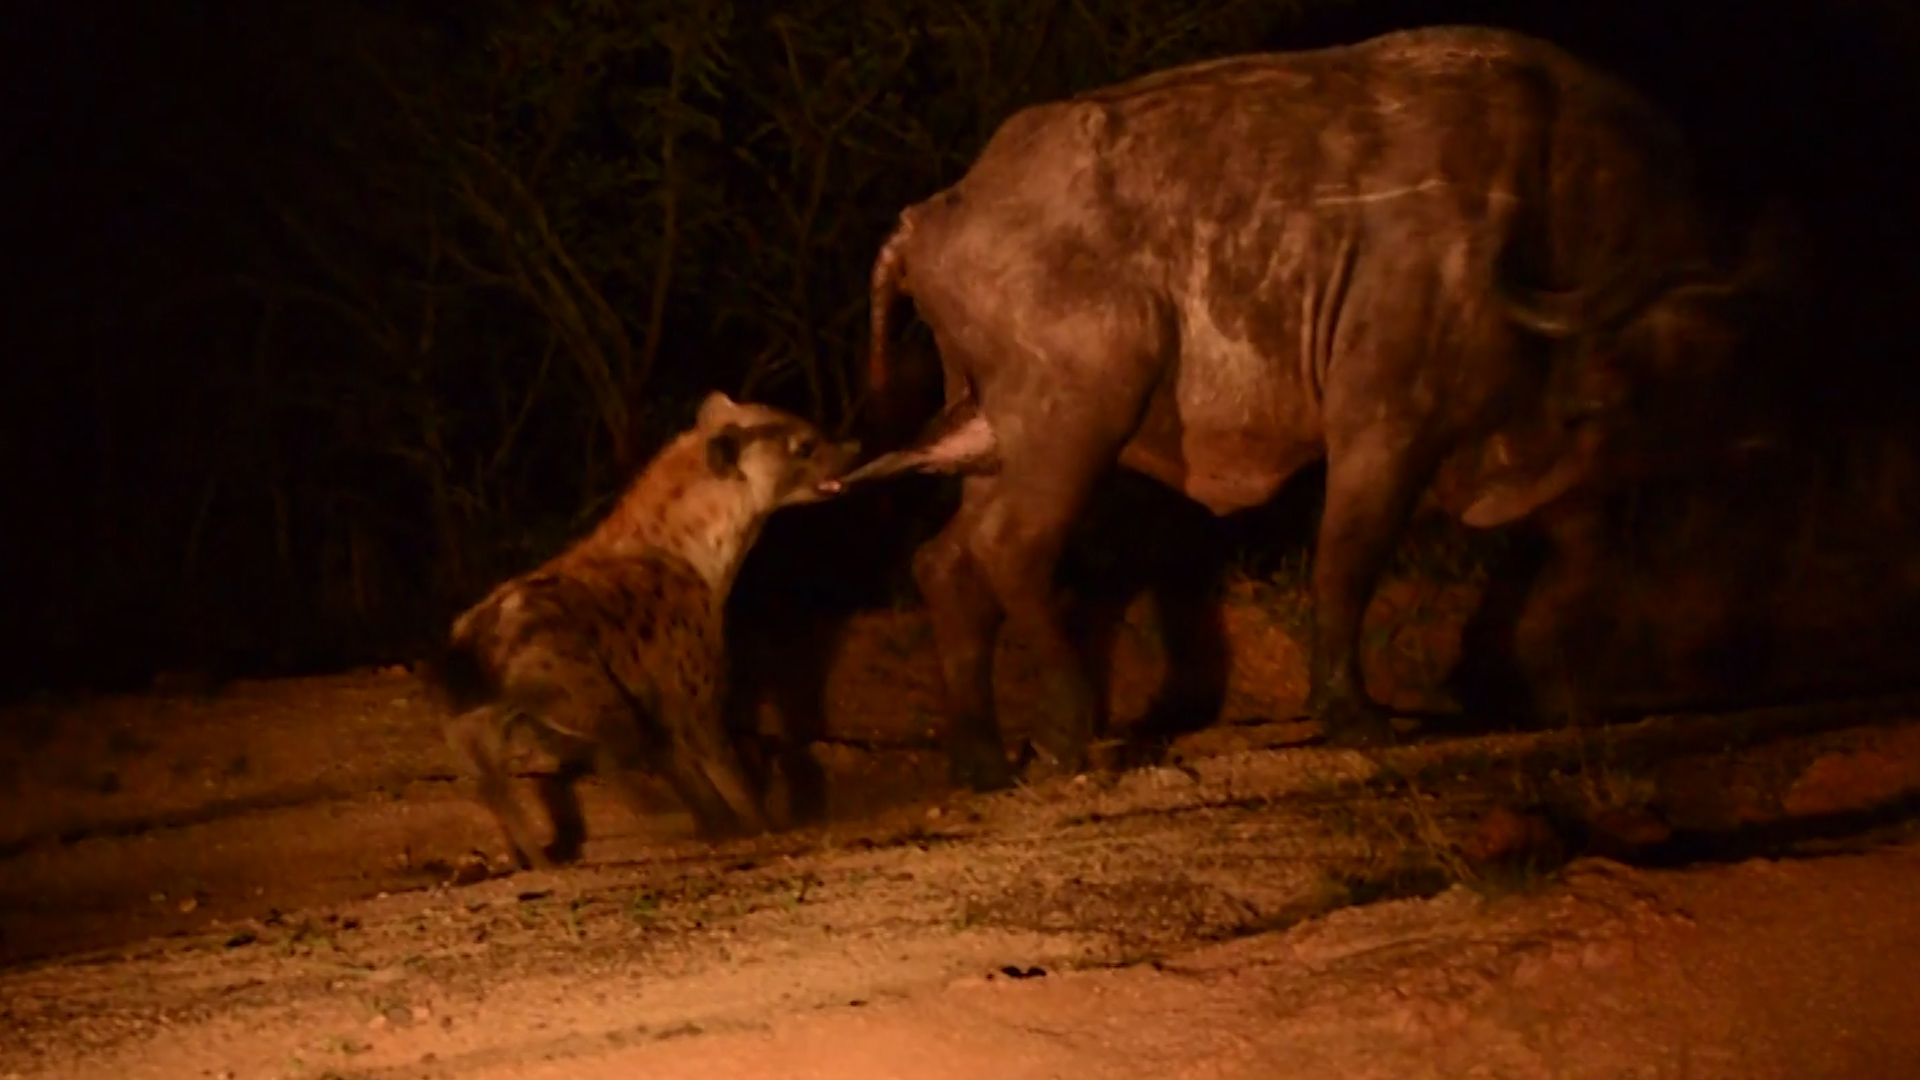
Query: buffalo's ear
[(723, 452)]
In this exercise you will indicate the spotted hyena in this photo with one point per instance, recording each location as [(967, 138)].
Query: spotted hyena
[(613, 649)]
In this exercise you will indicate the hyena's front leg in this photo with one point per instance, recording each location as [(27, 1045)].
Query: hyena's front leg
[(723, 799), (479, 738), (713, 777), (710, 781)]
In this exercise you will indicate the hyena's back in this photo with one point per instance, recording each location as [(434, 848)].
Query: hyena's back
[(633, 627)]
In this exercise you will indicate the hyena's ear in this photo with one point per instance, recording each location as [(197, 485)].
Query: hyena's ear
[(717, 409), (723, 452)]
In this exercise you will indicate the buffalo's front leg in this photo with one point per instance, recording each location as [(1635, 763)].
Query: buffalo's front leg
[(966, 623), (1373, 482)]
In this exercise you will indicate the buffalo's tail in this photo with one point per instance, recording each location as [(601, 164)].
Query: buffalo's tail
[(886, 289)]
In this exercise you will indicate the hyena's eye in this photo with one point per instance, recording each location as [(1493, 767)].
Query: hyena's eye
[(803, 446)]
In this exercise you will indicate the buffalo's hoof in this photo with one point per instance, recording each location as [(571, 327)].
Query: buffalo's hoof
[(1358, 728), (726, 830), (1144, 751), (563, 851), (1046, 764), (979, 768), (1164, 722), (537, 859)]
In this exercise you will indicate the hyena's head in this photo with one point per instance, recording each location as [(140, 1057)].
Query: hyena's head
[(779, 458)]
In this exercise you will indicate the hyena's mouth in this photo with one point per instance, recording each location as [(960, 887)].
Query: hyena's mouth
[(845, 455)]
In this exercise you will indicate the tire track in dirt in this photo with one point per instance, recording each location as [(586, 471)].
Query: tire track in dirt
[(369, 970), (734, 932)]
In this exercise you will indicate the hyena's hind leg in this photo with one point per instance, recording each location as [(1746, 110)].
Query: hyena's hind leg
[(479, 738), (560, 792)]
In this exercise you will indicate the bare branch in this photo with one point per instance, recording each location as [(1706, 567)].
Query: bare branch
[(565, 106), (669, 226), (377, 331), (502, 451), (429, 301), (341, 276), (609, 321)]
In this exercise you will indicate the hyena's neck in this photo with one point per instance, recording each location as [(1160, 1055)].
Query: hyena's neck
[(678, 506), (713, 535)]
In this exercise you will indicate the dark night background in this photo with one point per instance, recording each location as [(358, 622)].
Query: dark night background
[(324, 315)]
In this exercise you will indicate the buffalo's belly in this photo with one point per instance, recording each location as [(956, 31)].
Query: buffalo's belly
[(1227, 451)]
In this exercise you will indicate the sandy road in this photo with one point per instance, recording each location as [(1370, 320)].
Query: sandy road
[(1205, 920)]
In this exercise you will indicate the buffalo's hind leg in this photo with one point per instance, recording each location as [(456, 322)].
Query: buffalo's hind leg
[(965, 619), (1186, 590), (996, 561), (1064, 393), (1051, 459), (1374, 480), (1018, 545)]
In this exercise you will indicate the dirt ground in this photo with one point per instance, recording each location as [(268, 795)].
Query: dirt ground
[(286, 879)]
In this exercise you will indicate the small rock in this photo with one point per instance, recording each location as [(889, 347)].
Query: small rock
[(398, 1016), (1508, 835), (420, 1013), (1857, 779), (1620, 831), (187, 905), (933, 813), (378, 1023), (472, 867)]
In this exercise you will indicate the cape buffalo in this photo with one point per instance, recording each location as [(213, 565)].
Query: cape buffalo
[(1220, 273)]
